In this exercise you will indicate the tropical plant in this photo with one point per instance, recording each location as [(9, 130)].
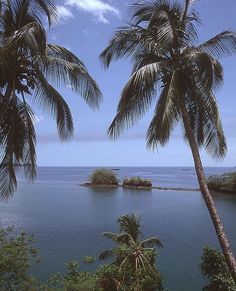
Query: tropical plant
[(73, 279), (169, 65), (137, 182), (28, 63), (134, 259), (215, 269), (17, 253), (103, 177)]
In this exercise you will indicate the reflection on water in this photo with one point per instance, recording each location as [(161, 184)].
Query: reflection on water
[(68, 219)]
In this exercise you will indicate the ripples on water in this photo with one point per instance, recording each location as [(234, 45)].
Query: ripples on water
[(68, 219)]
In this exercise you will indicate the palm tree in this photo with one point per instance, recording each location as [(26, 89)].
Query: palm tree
[(28, 65), (169, 64), (133, 257)]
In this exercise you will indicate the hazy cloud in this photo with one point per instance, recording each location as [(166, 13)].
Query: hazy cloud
[(52, 138), (99, 9), (64, 12)]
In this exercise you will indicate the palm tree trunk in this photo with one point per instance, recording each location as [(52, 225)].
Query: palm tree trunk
[(219, 228)]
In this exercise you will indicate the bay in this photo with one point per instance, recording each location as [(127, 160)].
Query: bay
[(67, 219)]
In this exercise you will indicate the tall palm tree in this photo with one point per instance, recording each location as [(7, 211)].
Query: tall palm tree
[(169, 66), (28, 65), (133, 257)]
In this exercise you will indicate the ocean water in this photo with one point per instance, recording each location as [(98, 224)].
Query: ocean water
[(68, 219)]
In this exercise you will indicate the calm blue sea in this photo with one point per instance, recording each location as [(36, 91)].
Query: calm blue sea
[(68, 220)]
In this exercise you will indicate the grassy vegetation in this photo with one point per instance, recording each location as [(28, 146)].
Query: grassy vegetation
[(137, 182), (223, 183), (103, 177)]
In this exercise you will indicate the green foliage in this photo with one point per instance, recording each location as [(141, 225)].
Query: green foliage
[(103, 177), (133, 266), (74, 279), (89, 260), (16, 254), (137, 182), (223, 183), (215, 269)]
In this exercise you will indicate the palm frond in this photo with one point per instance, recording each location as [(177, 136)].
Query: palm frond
[(136, 98), (130, 224), (124, 43), (151, 242), (48, 98), (166, 115), (63, 67), (8, 182), (17, 142), (31, 37), (215, 142), (221, 45)]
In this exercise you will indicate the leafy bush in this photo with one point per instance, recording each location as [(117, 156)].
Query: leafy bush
[(16, 253), (74, 279), (223, 183), (137, 182), (215, 269), (103, 177)]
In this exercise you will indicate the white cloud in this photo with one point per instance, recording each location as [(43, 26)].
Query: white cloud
[(64, 12), (98, 8)]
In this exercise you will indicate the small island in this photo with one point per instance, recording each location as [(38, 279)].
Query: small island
[(137, 182), (107, 178), (102, 178), (225, 183)]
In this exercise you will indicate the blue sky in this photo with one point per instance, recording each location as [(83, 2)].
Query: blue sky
[(85, 27)]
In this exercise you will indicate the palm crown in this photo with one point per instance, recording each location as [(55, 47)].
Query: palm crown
[(131, 249), (161, 41), (27, 64)]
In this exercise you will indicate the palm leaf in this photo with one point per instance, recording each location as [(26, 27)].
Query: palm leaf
[(136, 98), (63, 67), (124, 43), (221, 45), (166, 115), (48, 98), (151, 242)]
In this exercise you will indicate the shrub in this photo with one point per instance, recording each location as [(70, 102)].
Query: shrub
[(103, 177), (137, 182), (17, 253), (223, 183), (215, 269)]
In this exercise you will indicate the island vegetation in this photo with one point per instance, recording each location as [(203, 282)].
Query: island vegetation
[(225, 183), (137, 182), (103, 177)]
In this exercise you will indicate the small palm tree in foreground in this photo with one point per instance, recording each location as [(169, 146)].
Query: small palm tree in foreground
[(134, 258), (161, 42), (28, 63)]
